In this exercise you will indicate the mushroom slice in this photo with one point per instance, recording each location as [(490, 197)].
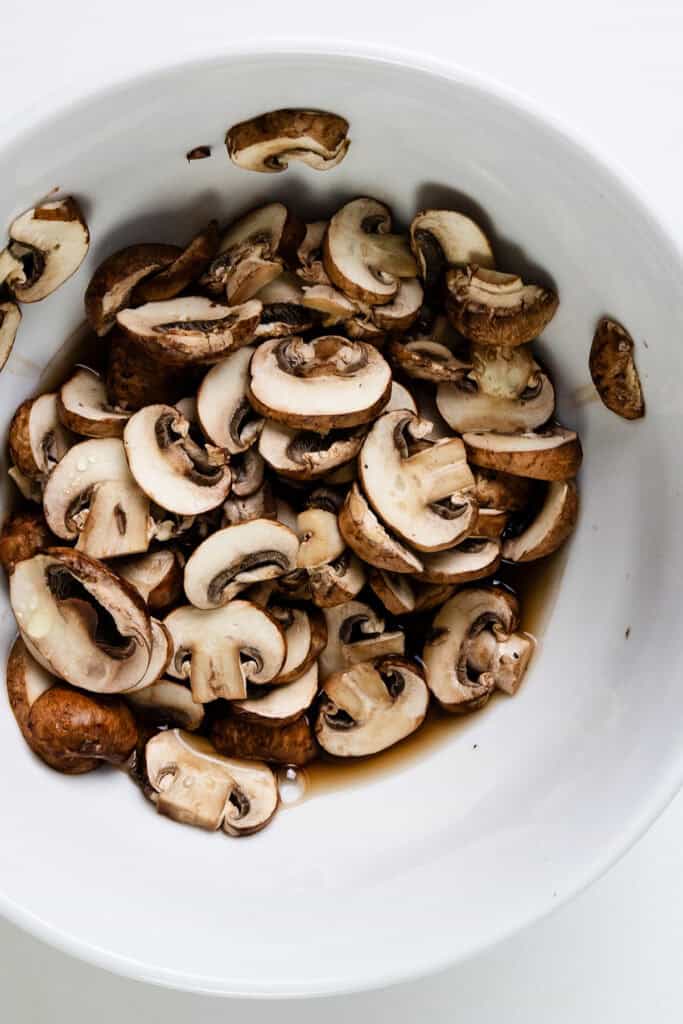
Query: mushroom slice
[(370, 707), (190, 329), (497, 309), (252, 252), (176, 472), (320, 541), (421, 497), (326, 383), (445, 238), (186, 268), (23, 535), (362, 328), (290, 743), (503, 372), (426, 360), (284, 310), (112, 284), (431, 595), (160, 657), (91, 497), (394, 591), (474, 648), (51, 241), (336, 582), (355, 632), (223, 409), (490, 523), (136, 378), (195, 785), (305, 455), (305, 637), (550, 528), (310, 254), (614, 372), (223, 649), (363, 532), (259, 505), (403, 310), (157, 577), (81, 621), (248, 472), (502, 490), (29, 489), (37, 440), (400, 398), (83, 406), (237, 556), (360, 255), (553, 454), (167, 703), (10, 318), (281, 704), (472, 559), (333, 304), (464, 407), (345, 474), (267, 143)]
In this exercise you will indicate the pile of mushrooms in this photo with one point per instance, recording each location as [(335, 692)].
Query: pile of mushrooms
[(306, 444)]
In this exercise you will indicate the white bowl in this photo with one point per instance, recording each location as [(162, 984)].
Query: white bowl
[(524, 803)]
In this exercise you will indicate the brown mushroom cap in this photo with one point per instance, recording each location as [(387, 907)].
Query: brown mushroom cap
[(550, 528), (37, 440), (490, 523), (185, 268), (23, 535), (10, 318), (136, 378), (53, 237), (326, 383), (278, 743), (553, 454), (365, 534), (83, 406), (472, 559), (497, 309), (267, 143), (474, 648), (445, 238), (394, 591), (501, 491), (67, 724), (614, 372), (112, 284)]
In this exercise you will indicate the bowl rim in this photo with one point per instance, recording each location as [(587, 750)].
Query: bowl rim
[(65, 102)]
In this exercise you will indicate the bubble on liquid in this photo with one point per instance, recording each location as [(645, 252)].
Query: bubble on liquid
[(292, 784)]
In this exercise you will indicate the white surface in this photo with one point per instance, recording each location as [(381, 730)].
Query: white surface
[(613, 952)]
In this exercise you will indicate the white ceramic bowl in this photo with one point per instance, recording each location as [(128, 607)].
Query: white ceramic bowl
[(527, 801)]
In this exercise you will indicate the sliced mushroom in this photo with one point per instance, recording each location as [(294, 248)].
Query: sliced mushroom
[(92, 498), (360, 255), (305, 637), (394, 591), (464, 407), (294, 586), (336, 582), (403, 310), (223, 649), (37, 440), (553, 454), (135, 378), (305, 455), (503, 372), (248, 472), (231, 559), (112, 284), (345, 474), (195, 785), (279, 743), (23, 535), (186, 268), (167, 703), (472, 559), (310, 254), (10, 318), (81, 621), (490, 523), (445, 238), (422, 497), (370, 707), (169, 466), (400, 398), (280, 704), (320, 541), (474, 648), (326, 383), (501, 491), (12, 271), (356, 633), (190, 329), (160, 657), (284, 311), (550, 528), (157, 577), (497, 309), (431, 595), (83, 406), (259, 505), (362, 328), (31, 490), (252, 252), (426, 360), (614, 372), (223, 409), (51, 241), (269, 142), (365, 534), (333, 305)]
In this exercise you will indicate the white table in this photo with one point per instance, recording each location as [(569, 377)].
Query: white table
[(613, 70)]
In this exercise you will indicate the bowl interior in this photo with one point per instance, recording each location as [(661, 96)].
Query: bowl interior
[(526, 801)]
